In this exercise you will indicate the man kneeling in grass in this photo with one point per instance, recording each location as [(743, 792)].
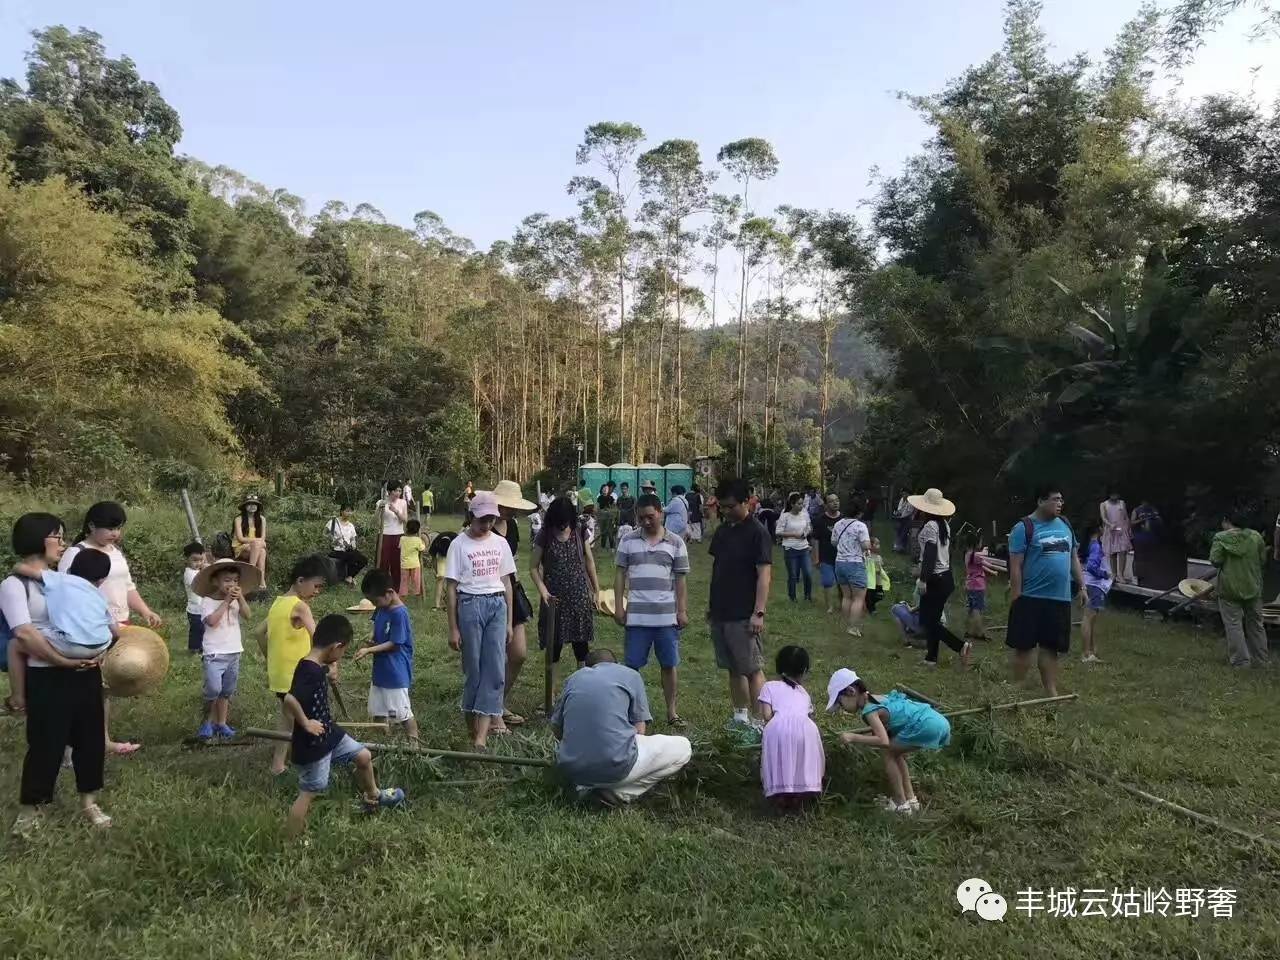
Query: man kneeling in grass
[(600, 721), (318, 742)]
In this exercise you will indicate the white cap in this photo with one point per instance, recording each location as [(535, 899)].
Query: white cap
[(840, 681)]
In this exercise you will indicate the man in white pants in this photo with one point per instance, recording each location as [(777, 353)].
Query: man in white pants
[(600, 721)]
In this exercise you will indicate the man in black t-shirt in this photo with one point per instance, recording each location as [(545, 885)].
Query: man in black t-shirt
[(318, 742), (626, 506), (824, 556), (741, 572)]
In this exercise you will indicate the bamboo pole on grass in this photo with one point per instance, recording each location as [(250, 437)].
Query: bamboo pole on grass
[(549, 668), (395, 748)]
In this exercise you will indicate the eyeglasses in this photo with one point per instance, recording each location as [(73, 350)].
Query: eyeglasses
[(58, 537)]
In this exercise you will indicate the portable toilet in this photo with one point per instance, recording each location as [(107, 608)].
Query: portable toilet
[(678, 475), (654, 472), (621, 473), (593, 476)]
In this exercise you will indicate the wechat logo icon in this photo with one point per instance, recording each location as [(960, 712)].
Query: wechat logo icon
[(976, 894)]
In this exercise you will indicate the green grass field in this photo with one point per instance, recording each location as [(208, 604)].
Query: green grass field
[(197, 864)]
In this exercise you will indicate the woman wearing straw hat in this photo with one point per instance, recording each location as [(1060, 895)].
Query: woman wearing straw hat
[(511, 504), (249, 534), (934, 579)]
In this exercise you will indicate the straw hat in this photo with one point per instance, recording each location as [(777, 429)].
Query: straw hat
[(250, 577), (364, 606), (136, 664), (932, 502), (606, 603), (509, 495), (1191, 589)]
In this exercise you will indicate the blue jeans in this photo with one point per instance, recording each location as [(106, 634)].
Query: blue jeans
[(314, 777), (797, 567), (482, 621)]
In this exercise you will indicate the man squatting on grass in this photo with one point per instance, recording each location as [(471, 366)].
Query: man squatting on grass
[(600, 721)]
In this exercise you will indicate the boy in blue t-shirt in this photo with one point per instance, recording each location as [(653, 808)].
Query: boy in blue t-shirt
[(1043, 561), (392, 652)]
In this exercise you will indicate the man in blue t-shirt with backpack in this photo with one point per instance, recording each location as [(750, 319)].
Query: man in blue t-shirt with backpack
[(1043, 562)]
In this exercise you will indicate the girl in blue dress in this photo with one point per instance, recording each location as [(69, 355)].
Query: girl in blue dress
[(899, 726)]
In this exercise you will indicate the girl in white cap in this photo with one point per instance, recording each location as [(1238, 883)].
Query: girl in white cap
[(899, 726)]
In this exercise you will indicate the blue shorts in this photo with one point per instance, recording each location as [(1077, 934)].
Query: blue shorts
[(221, 674), (977, 601), (827, 571), (665, 642), (1097, 598), (314, 777), (852, 575)]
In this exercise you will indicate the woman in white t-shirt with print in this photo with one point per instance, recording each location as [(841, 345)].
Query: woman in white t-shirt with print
[(478, 568), (935, 581), (103, 530), (851, 539)]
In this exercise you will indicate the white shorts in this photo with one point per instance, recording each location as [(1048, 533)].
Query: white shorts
[(392, 704)]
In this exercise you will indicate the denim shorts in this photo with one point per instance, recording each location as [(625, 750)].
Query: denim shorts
[(852, 575), (1097, 598), (977, 601), (827, 572), (314, 777), (221, 674), (665, 642)]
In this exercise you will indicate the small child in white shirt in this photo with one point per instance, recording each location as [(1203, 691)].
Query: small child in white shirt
[(221, 587), (194, 553)]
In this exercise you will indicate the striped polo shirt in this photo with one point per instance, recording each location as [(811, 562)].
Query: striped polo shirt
[(652, 569)]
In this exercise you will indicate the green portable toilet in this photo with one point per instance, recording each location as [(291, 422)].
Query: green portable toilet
[(621, 473), (593, 476), (678, 475), (654, 472)]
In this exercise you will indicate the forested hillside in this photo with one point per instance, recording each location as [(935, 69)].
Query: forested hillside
[(166, 319)]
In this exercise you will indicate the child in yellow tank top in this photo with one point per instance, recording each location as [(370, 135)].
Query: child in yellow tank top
[(289, 625)]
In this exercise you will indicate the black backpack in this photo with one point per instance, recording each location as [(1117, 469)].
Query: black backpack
[(221, 546)]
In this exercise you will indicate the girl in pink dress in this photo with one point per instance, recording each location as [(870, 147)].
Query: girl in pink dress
[(1116, 542), (791, 756)]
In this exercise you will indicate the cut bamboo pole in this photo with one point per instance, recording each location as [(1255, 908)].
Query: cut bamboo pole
[(549, 666), (990, 708), (395, 748), (1170, 805)]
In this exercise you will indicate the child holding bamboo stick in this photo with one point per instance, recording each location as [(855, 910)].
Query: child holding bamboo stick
[(318, 742), (899, 726)]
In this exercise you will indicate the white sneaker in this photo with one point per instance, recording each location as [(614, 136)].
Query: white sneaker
[(854, 632), (906, 809), (914, 804), (887, 803)]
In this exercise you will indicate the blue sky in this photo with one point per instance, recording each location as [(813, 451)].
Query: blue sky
[(474, 110)]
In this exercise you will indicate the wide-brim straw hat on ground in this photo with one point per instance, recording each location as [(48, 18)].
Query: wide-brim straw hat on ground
[(250, 577), (509, 495), (1192, 588), (932, 502), (607, 603), (136, 664), (364, 606)]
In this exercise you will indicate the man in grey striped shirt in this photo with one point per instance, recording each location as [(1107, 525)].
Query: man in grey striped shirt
[(652, 565)]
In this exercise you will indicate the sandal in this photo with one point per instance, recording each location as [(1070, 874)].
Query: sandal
[(678, 722), (124, 749), (499, 732), (93, 813), (12, 709), (512, 719)]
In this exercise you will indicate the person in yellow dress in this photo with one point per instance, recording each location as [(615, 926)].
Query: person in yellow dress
[(411, 550), (289, 625)]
